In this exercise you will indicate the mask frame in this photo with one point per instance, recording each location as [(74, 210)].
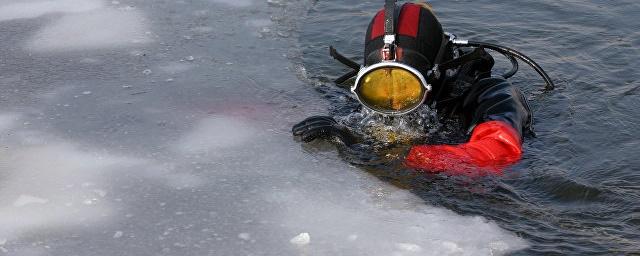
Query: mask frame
[(364, 71)]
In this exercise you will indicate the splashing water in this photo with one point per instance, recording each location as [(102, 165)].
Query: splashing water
[(385, 129)]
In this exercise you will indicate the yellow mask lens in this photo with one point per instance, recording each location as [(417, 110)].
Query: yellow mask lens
[(390, 89)]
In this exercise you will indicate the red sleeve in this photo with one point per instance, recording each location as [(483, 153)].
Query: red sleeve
[(493, 146)]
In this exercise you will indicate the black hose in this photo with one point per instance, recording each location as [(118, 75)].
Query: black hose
[(514, 53), (346, 77), (342, 59), (514, 67)]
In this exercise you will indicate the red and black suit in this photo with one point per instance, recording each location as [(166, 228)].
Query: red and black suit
[(495, 112)]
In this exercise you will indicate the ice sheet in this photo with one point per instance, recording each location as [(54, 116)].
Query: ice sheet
[(365, 217), (49, 186), (205, 165)]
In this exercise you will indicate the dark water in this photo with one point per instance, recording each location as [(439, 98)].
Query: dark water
[(576, 190)]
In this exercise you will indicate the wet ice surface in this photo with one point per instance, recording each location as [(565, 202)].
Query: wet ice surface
[(136, 129)]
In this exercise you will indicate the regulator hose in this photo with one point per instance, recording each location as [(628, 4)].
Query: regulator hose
[(513, 53), (514, 67)]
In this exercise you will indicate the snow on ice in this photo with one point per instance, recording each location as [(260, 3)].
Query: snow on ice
[(99, 29), (32, 9), (80, 25)]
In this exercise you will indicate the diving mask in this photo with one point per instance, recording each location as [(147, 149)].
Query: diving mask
[(391, 88)]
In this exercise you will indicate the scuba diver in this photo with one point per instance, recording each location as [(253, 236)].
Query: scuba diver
[(410, 61)]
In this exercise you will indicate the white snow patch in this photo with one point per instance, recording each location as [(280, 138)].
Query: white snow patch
[(27, 200), (216, 133), (57, 170), (33, 9), (98, 29)]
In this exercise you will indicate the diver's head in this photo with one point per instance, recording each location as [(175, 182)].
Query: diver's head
[(419, 37), (402, 46)]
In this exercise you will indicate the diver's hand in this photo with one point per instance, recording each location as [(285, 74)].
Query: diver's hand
[(322, 127)]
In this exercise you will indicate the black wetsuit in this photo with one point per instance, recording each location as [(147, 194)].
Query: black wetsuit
[(477, 97)]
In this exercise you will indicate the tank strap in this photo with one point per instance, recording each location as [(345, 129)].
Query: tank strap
[(390, 17)]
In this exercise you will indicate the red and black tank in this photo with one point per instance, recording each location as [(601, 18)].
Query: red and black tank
[(419, 37)]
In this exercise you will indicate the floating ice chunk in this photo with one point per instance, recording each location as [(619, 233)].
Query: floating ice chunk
[(24, 200), (99, 29), (34, 9), (301, 239), (118, 234)]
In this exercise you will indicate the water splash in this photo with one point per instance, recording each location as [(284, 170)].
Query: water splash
[(387, 130)]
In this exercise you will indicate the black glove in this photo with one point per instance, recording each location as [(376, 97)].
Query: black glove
[(322, 127)]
